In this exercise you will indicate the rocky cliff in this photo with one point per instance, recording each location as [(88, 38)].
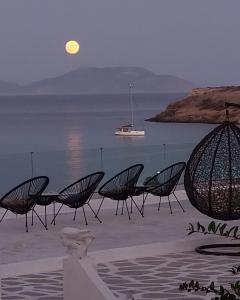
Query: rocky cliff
[(203, 105)]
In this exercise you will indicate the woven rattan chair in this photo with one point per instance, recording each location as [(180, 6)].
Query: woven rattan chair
[(79, 193), (212, 177), (163, 184), (212, 180), (20, 200), (121, 186)]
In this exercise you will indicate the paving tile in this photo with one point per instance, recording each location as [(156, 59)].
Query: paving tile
[(138, 279), (43, 286), (159, 277)]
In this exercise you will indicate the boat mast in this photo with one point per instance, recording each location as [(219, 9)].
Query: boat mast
[(131, 104)]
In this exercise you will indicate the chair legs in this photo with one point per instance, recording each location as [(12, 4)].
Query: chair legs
[(122, 208), (26, 219), (140, 210), (3, 215), (26, 222), (54, 211), (143, 205), (130, 211), (32, 218), (54, 217), (117, 209), (74, 218), (99, 207), (125, 202), (159, 204), (75, 213), (169, 204), (84, 215), (45, 215), (179, 202), (44, 224), (94, 213), (116, 213)]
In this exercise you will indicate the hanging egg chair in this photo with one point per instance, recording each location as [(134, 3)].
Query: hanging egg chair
[(212, 176)]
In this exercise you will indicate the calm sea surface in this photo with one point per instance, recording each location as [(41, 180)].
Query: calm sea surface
[(71, 136)]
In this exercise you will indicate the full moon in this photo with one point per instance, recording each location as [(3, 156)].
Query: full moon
[(72, 47)]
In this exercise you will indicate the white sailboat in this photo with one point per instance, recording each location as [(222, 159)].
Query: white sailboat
[(129, 130)]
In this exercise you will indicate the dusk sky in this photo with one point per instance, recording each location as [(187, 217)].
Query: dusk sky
[(196, 40)]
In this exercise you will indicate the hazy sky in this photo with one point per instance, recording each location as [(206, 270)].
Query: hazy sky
[(197, 40)]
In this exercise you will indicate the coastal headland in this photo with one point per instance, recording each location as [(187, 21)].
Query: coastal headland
[(203, 105), (93, 80)]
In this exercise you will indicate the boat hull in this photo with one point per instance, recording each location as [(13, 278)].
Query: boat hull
[(130, 133)]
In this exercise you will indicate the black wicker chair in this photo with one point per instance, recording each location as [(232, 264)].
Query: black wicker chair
[(121, 186), (163, 184), (212, 177), (212, 180), (20, 200), (79, 194)]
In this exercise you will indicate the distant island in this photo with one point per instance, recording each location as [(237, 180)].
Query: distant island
[(203, 105), (112, 80)]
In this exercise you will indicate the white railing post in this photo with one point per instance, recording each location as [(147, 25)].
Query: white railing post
[(81, 280)]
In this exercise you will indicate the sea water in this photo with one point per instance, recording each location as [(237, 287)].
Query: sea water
[(66, 137)]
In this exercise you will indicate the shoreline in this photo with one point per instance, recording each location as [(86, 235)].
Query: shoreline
[(203, 105), (180, 122)]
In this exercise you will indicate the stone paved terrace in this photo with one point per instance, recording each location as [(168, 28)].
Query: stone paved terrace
[(143, 278), (125, 277), (44, 286), (159, 277)]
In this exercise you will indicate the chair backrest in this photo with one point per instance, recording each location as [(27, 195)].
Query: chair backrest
[(21, 198), (77, 193), (124, 182), (166, 181)]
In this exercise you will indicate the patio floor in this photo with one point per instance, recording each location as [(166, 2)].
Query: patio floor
[(114, 232), (155, 277), (159, 277)]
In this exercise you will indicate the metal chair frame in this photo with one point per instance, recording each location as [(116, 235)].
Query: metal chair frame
[(81, 197), (120, 187), (22, 198), (156, 187)]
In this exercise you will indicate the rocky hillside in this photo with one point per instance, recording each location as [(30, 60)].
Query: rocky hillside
[(109, 80), (203, 105), (112, 80)]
